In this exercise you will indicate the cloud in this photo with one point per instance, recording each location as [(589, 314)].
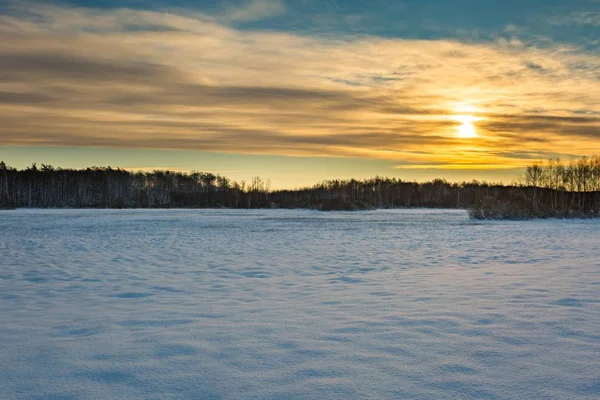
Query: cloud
[(546, 125), (127, 78), (47, 66), (254, 10), (577, 18)]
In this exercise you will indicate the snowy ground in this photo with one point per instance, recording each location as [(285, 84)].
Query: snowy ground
[(211, 304)]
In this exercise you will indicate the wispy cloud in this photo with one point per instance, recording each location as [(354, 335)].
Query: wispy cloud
[(254, 10), (126, 78), (577, 18)]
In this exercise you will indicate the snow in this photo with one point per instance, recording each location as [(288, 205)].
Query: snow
[(222, 304)]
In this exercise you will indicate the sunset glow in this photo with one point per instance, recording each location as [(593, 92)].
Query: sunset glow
[(249, 80), (314, 199)]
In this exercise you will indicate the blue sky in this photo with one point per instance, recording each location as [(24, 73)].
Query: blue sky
[(301, 91), (482, 19)]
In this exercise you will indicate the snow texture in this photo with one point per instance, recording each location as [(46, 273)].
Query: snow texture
[(272, 304)]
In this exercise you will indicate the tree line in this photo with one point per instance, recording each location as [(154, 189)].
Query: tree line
[(554, 189), (545, 190)]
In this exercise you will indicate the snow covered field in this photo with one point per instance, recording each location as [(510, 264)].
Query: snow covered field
[(221, 304)]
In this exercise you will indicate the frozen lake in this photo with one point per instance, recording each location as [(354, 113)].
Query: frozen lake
[(278, 304)]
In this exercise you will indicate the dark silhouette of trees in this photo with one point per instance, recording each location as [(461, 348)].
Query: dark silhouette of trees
[(551, 190), (554, 189), (6, 198)]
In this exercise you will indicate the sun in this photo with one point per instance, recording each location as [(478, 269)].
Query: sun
[(467, 129)]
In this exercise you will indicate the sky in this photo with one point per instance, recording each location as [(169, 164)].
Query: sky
[(301, 91)]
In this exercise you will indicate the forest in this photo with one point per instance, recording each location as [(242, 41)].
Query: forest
[(553, 189)]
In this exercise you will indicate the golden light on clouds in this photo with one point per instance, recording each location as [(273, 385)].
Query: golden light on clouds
[(81, 77)]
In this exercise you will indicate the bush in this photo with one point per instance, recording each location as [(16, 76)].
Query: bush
[(514, 209), (518, 207)]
